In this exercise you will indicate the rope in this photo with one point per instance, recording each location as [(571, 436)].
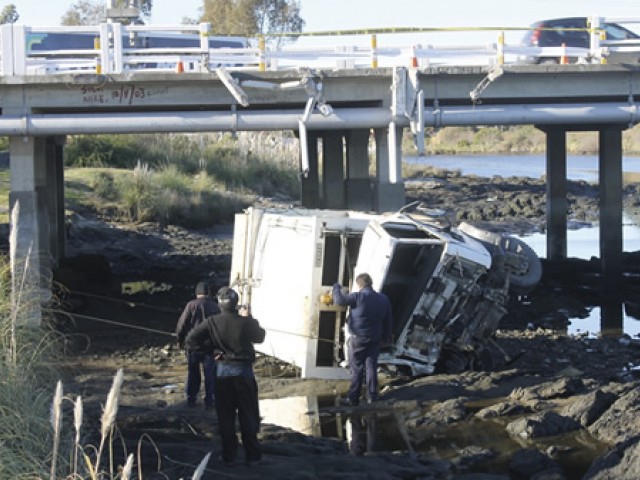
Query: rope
[(125, 302), (162, 332), (113, 322), (153, 330)]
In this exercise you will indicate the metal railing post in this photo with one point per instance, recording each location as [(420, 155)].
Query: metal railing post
[(595, 47), (500, 49), (262, 63), (374, 51), (6, 54), (117, 52), (601, 37), (19, 54), (205, 31)]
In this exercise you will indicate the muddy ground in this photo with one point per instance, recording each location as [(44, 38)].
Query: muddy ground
[(557, 406)]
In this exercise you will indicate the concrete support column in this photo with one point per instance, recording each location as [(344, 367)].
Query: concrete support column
[(55, 198), (556, 159), (610, 177), (333, 170), (358, 183), (388, 188), (310, 183), (31, 260)]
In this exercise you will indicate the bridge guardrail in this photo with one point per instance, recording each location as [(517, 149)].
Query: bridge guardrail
[(113, 49)]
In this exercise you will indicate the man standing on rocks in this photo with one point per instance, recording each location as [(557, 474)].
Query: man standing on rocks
[(194, 313), (369, 324), (232, 336)]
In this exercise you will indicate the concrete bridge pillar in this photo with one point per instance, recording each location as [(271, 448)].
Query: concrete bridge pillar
[(611, 244), (333, 170), (389, 187), (610, 207), (37, 186), (55, 198), (31, 261), (310, 182), (556, 167), (358, 188), (340, 178), (610, 179)]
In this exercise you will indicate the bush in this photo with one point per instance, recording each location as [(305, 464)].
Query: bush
[(136, 192), (103, 185)]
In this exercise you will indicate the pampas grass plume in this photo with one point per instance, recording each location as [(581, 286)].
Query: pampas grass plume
[(111, 407), (197, 475), (56, 423), (128, 467)]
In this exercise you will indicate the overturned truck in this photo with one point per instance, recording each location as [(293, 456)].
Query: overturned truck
[(448, 286)]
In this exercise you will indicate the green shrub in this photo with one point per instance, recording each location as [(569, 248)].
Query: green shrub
[(136, 193), (103, 185)]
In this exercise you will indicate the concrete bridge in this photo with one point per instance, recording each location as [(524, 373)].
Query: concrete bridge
[(340, 117)]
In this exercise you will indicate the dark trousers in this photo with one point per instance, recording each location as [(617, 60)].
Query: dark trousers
[(194, 361), (238, 394), (363, 359)]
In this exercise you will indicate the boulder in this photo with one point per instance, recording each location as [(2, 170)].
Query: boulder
[(541, 425)]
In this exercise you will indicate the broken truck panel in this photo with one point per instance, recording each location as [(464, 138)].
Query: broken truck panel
[(448, 286)]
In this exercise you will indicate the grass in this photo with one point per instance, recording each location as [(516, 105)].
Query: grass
[(226, 183)]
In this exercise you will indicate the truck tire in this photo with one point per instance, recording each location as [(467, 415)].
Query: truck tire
[(498, 244)]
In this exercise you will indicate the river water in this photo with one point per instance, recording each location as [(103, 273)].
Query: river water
[(582, 243), (579, 167)]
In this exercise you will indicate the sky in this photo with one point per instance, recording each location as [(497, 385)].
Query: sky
[(336, 15)]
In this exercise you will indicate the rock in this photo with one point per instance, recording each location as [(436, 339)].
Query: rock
[(621, 421), (541, 425), (502, 409), (561, 388), (472, 455), (586, 409), (620, 463)]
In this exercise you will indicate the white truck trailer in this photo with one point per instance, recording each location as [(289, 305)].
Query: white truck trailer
[(448, 286)]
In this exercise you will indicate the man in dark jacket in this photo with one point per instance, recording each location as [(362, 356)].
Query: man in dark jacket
[(369, 325), (232, 336), (194, 313)]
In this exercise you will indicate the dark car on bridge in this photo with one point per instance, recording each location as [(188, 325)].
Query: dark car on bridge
[(573, 32)]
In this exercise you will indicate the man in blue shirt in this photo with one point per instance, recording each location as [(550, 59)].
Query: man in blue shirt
[(369, 325)]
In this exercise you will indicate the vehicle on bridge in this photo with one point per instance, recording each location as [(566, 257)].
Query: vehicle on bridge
[(573, 32), (448, 286)]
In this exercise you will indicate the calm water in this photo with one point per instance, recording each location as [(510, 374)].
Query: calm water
[(582, 243), (579, 167)]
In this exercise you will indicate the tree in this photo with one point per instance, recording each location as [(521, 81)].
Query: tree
[(93, 12), (9, 14), (250, 18), (85, 12)]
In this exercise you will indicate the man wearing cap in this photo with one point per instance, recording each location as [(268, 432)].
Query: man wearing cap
[(194, 313), (233, 336)]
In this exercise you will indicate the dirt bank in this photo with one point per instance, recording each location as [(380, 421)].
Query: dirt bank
[(127, 285)]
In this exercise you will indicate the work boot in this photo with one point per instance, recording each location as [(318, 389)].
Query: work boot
[(347, 402)]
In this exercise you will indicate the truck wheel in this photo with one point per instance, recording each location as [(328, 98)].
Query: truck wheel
[(523, 281), (452, 360), (499, 244)]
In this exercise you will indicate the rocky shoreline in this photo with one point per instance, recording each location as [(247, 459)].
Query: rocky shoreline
[(549, 387)]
